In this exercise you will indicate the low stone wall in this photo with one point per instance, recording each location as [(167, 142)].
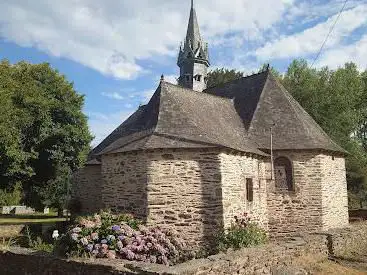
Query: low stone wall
[(17, 209), (260, 260), (347, 240)]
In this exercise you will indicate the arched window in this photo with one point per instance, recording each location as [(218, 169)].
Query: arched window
[(283, 173)]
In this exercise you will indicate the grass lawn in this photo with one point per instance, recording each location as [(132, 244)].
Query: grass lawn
[(33, 218), (16, 220)]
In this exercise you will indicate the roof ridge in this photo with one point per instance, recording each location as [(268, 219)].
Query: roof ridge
[(197, 92), (257, 105)]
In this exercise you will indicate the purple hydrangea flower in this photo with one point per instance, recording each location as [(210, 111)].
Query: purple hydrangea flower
[(121, 237), (89, 247), (116, 228), (104, 241)]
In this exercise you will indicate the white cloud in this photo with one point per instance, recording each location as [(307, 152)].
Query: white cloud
[(102, 125), (310, 40), (113, 95), (356, 53), (112, 36)]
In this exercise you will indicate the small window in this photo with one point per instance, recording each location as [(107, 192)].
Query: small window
[(187, 78), (283, 173), (198, 78), (249, 190)]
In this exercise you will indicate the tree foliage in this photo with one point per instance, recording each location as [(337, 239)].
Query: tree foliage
[(44, 135), (219, 76)]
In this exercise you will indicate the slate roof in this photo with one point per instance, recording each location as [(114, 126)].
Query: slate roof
[(236, 115), (262, 102), (177, 117)]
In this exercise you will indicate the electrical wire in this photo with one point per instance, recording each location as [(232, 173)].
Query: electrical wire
[(330, 31)]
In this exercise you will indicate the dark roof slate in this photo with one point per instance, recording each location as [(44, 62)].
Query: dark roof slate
[(176, 117), (263, 103)]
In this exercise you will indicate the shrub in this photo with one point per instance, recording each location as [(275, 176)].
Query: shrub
[(12, 197), (37, 243), (105, 235), (242, 233)]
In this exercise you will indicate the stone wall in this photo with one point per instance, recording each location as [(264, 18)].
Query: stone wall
[(260, 260), (86, 189), (319, 199), (199, 191), (182, 189), (343, 241), (184, 192), (236, 168), (300, 210), (334, 192), (125, 182)]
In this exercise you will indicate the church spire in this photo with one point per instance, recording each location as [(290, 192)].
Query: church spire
[(193, 58), (193, 32)]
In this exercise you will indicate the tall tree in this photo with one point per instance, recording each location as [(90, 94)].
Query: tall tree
[(44, 135)]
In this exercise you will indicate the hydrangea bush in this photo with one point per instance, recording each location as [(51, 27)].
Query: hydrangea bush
[(242, 233), (105, 235)]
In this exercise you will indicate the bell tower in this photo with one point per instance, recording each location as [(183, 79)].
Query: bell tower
[(193, 57)]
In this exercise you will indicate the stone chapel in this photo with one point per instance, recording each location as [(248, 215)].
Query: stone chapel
[(194, 157)]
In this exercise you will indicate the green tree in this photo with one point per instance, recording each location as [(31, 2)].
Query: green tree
[(42, 128), (219, 76)]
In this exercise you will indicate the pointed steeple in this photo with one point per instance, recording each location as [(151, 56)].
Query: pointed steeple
[(193, 37), (193, 57)]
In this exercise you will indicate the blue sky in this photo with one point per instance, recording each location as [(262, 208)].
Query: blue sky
[(115, 50)]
